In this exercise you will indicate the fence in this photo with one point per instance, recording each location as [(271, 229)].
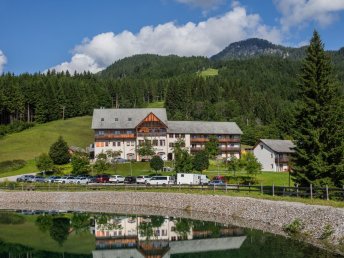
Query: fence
[(311, 192)]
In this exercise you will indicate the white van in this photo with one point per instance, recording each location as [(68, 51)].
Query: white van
[(160, 180)]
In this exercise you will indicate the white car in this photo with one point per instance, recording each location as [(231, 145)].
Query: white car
[(81, 180), (65, 180), (116, 179), (142, 179)]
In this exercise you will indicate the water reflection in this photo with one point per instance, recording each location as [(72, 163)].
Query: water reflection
[(83, 235), (156, 236)]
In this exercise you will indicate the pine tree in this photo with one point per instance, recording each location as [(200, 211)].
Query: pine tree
[(59, 152), (319, 128)]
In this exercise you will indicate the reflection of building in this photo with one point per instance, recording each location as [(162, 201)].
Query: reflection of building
[(125, 130), (130, 237)]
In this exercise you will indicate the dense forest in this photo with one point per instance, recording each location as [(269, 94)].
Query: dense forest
[(259, 93)]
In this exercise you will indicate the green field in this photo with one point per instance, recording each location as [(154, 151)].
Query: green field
[(29, 235), (209, 72), (30, 143)]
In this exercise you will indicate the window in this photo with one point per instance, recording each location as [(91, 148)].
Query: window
[(106, 144), (100, 132), (129, 131), (261, 146), (118, 144), (102, 119), (132, 143), (173, 229), (116, 118), (129, 118), (272, 155), (128, 143), (171, 144), (272, 166), (114, 144), (141, 142), (155, 142), (182, 135), (182, 175), (162, 143), (170, 135), (117, 132)]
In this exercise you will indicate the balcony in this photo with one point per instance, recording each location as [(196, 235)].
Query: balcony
[(224, 140), (229, 148), (282, 159), (195, 149), (152, 134), (115, 136)]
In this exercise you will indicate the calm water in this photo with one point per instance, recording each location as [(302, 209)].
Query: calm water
[(57, 234)]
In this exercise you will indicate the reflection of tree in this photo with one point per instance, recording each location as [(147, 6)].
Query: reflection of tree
[(106, 222), (183, 227), (157, 221), (44, 222), (211, 227), (146, 229), (59, 229), (80, 222)]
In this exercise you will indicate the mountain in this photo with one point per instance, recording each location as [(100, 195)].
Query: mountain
[(254, 47)]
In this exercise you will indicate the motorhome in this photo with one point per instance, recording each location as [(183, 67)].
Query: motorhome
[(160, 180), (191, 179)]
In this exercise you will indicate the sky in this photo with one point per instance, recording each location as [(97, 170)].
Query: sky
[(89, 35)]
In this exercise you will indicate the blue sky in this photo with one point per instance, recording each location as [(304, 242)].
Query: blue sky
[(78, 35)]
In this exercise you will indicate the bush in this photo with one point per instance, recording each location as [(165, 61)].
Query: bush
[(59, 152), (11, 165), (11, 218), (294, 228), (16, 126)]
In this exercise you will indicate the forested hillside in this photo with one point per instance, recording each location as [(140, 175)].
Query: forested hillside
[(259, 93)]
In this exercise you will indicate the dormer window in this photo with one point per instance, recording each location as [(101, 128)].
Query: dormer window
[(102, 119), (129, 118), (116, 118)]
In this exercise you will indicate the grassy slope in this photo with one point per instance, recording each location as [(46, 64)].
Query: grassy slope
[(157, 104), (209, 72), (30, 143), (29, 235)]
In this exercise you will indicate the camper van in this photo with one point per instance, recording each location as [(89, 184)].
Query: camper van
[(191, 179), (160, 180)]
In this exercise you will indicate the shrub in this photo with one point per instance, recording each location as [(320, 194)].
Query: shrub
[(294, 228), (10, 165), (11, 218)]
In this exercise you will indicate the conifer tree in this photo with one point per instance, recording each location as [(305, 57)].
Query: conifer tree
[(319, 128), (59, 152)]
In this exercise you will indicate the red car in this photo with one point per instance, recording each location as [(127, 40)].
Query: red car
[(221, 178), (102, 179)]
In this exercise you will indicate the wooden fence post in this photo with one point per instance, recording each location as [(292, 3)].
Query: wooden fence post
[(273, 189), (261, 188), (311, 189), (327, 197)]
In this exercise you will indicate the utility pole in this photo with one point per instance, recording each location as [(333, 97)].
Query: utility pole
[(63, 112)]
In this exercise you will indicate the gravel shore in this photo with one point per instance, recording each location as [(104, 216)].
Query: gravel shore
[(241, 211)]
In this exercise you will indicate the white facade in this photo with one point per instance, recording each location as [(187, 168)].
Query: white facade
[(270, 159)]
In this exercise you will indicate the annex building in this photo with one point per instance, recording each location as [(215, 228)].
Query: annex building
[(125, 129)]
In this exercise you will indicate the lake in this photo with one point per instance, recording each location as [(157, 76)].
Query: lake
[(26, 233)]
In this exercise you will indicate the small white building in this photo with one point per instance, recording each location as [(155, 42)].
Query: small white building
[(274, 155)]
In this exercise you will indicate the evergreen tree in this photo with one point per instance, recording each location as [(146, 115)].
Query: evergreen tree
[(319, 128), (44, 162), (59, 152)]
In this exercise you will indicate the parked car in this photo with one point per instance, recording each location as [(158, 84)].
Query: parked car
[(38, 179), (92, 179), (119, 160), (116, 179), (222, 178), (142, 179), (81, 180), (102, 179), (130, 180), (65, 180), (52, 179), (216, 183), (25, 178), (160, 180)]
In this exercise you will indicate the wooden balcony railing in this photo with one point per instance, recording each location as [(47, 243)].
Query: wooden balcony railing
[(152, 134), (115, 136), (230, 140), (195, 149), (282, 160)]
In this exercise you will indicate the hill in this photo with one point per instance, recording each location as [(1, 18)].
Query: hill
[(258, 47), (30, 143)]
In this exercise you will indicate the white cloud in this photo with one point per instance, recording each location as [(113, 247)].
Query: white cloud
[(301, 12), (3, 61), (205, 39), (204, 4)]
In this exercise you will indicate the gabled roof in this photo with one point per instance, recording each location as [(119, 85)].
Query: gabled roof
[(280, 146), (203, 127), (124, 118)]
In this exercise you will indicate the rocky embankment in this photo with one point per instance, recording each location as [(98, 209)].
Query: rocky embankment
[(242, 211)]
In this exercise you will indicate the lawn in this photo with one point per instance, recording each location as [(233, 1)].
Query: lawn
[(29, 235), (30, 143), (209, 72)]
